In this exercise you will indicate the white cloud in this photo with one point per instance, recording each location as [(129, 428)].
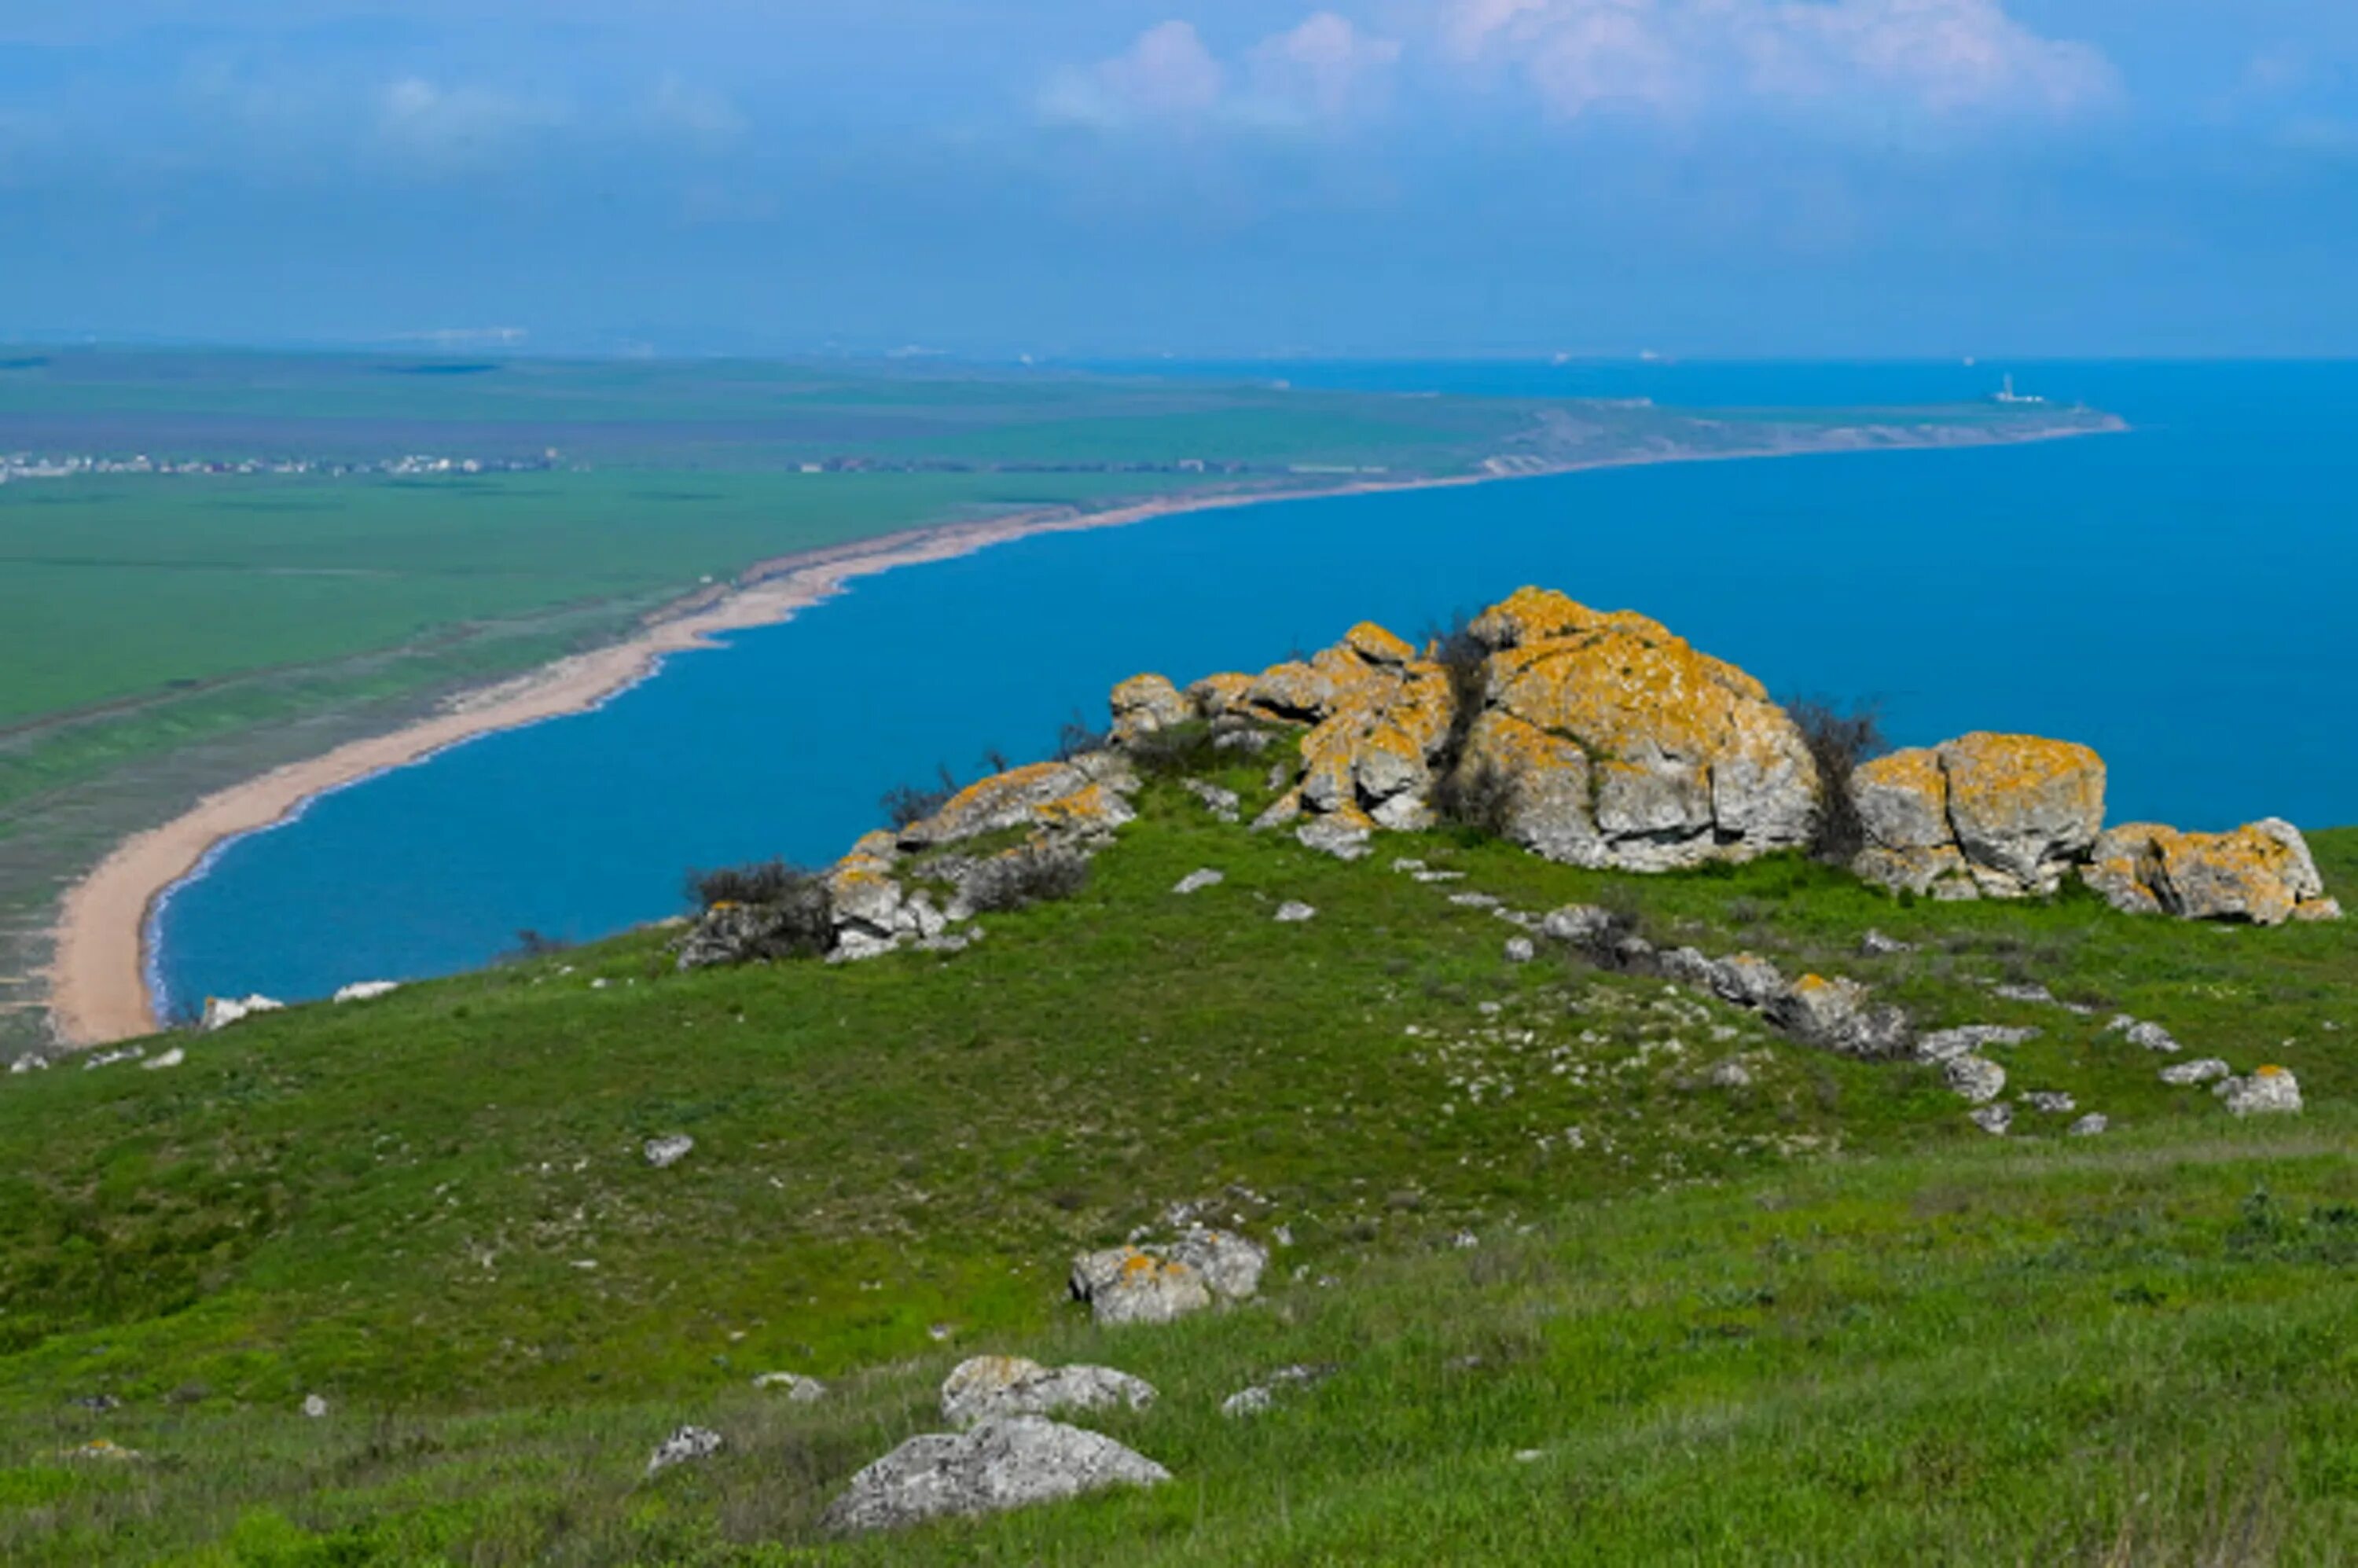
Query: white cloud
[(444, 129), (1322, 70), (1690, 56), (1327, 66)]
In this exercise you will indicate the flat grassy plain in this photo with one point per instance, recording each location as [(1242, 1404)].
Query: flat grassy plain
[(1583, 1302)]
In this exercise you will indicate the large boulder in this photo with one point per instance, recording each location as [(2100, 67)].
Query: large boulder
[(1618, 745), (2261, 873), (1146, 705), (1010, 1463), (985, 1386), (1980, 817), (1159, 1282), (1085, 794)]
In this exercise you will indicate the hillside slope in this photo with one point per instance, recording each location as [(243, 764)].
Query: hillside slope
[(1814, 1315)]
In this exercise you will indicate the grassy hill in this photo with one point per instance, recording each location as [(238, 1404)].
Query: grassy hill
[(1583, 1299)]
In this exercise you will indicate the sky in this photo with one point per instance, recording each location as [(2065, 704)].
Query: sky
[(1199, 178)]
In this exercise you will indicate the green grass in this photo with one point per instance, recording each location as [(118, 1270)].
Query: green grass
[(1820, 1318)]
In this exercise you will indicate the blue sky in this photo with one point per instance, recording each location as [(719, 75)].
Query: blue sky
[(1197, 177)]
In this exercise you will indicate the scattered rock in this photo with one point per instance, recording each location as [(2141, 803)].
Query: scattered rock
[(1248, 1401), (1520, 950), (1977, 1078), (2030, 992), (221, 1011), (1145, 705), (30, 1062), (664, 1152), (1876, 945), (1980, 817), (102, 1450), (2051, 1101), (2090, 1125), (1293, 912), (1943, 1043), (1196, 882), (1475, 900), (1731, 1074), (171, 1058), (1582, 925), (994, 1385), (1994, 1120), (108, 1058), (800, 1390), (2152, 1036), (1223, 804), (1260, 1396), (1839, 1015), (2267, 1091), (367, 991), (1156, 1284), (314, 1406), (2187, 1074), (1004, 1463), (1341, 835), (2261, 873), (686, 1445)]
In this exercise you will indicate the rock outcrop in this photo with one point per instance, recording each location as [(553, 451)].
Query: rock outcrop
[(1010, 1463), (2261, 873), (1982, 817)]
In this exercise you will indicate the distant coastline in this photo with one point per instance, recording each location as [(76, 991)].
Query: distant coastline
[(99, 983)]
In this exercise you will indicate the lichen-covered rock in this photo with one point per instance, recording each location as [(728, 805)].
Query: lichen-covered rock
[(1231, 1264), (1343, 834), (1977, 1078), (985, 1386), (1084, 793), (1994, 1120), (2267, 1091), (1984, 816), (1145, 705), (1840, 1015), (2261, 873), (1130, 1285), (1003, 1463), (1682, 757)]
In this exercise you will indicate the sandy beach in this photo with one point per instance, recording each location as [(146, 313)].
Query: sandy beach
[(98, 977)]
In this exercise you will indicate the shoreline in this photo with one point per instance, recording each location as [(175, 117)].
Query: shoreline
[(100, 977)]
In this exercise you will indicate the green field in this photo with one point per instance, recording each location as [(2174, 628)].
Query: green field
[(1819, 1317)]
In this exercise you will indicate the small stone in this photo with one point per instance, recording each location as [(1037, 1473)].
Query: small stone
[(1876, 945), (2268, 1091), (104, 1450), (688, 1445), (1196, 882), (1994, 1120), (1223, 804), (1580, 922), (664, 1152), (2187, 1074), (314, 1406), (1475, 900), (1248, 1401), (2090, 1125), (2051, 1101), (1943, 1043), (1977, 1078), (2153, 1037), (1331, 836), (1530, 1455), (2033, 993), (222, 1012), (1520, 950), (1731, 1074), (367, 991), (171, 1058), (802, 1390), (1293, 912)]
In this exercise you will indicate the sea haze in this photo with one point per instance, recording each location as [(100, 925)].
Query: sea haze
[(2178, 597)]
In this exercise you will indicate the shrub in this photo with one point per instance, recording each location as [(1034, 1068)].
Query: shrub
[(1077, 739), (765, 881), (907, 804), (531, 944), (1479, 799), (1839, 739), (1036, 873), (1460, 653), (1184, 748)]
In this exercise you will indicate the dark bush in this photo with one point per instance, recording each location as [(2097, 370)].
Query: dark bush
[(907, 804), (1077, 739), (1839, 739), (1480, 798), (1453, 645), (1037, 874), (531, 944), (1184, 748), (765, 881)]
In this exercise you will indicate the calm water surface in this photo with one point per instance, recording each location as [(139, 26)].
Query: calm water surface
[(2180, 597)]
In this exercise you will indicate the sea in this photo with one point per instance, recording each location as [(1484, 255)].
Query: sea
[(2181, 597)]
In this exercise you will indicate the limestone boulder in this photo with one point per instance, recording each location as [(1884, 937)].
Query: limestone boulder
[(1840, 1015), (1982, 817), (1085, 793), (987, 1387), (2261, 874), (1004, 1463), (1159, 1282), (1619, 744), (2268, 1091), (1147, 705)]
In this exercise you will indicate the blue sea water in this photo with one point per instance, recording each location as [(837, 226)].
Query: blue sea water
[(2180, 597)]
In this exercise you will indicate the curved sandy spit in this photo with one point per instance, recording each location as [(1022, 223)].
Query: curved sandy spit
[(98, 978)]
